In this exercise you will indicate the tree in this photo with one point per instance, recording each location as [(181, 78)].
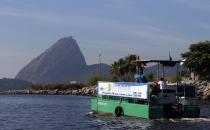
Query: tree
[(123, 69), (198, 59), (94, 80)]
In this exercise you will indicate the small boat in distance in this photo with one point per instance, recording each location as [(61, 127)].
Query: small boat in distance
[(146, 100)]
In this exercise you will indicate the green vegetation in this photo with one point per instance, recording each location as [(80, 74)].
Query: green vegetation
[(123, 70), (94, 80), (198, 59)]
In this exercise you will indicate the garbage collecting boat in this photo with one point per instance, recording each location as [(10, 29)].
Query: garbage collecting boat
[(146, 100)]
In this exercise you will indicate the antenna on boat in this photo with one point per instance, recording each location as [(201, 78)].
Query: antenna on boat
[(138, 66), (169, 54)]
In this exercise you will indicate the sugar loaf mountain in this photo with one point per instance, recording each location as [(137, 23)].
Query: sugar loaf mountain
[(61, 63)]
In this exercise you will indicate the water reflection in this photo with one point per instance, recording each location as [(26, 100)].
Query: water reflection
[(109, 122)]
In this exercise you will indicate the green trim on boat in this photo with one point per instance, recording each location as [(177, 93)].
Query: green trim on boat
[(129, 109), (147, 111)]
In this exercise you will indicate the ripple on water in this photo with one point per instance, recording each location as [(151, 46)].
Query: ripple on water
[(123, 123), (130, 123), (70, 113)]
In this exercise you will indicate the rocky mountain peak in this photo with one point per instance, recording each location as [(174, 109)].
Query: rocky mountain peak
[(61, 63), (66, 42)]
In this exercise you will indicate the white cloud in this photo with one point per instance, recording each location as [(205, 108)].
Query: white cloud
[(95, 24), (62, 20), (160, 38)]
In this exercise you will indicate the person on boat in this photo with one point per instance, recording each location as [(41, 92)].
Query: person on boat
[(154, 86), (141, 78), (162, 83), (154, 92)]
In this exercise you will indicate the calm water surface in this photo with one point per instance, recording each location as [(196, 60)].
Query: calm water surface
[(19, 112)]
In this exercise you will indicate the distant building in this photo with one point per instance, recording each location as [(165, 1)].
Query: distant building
[(73, 82)]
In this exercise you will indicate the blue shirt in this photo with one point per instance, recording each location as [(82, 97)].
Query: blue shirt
[(140, 78)]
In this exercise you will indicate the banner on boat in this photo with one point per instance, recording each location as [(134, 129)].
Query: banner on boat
[(131, 90)]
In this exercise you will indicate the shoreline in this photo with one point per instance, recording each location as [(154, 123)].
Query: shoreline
[(86, 91), (202, 91)]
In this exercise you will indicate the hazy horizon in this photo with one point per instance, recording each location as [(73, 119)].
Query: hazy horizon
[(113, 28)]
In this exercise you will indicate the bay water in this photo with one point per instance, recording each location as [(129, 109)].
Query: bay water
[(64, 112)]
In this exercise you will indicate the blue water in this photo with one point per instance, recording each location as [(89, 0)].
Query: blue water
[(35, 112)]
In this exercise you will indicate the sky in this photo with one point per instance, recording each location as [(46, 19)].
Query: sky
[(112, 28)]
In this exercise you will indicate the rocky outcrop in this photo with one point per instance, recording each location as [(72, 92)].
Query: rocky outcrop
[(85, 91), (89, 91), (203, 89), (61, 63)]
